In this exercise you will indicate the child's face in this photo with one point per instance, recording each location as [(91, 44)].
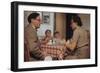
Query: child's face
[(48, 34), (57, 35)]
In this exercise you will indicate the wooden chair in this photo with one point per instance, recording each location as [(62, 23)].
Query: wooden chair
[(26, 53)]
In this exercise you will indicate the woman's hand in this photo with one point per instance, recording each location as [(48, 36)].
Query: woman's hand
[(71, 46)]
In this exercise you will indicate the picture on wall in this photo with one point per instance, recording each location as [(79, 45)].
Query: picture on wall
[(46, 17)]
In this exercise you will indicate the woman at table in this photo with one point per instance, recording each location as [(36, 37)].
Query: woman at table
[(48, 38), (79, 43)]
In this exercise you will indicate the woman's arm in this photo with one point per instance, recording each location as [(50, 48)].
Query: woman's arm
[(71, 46), (74, 40)]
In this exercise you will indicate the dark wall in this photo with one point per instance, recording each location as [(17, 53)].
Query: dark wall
[(69, 31)]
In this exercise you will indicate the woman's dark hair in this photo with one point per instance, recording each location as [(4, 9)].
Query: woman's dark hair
[(77, 19), (47, 31), (32, 16)]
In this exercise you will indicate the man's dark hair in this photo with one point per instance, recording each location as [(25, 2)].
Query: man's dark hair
[(32, 16), (77, 19)]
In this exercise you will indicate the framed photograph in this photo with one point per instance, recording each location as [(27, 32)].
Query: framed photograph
[(46, 17), (68, 40)]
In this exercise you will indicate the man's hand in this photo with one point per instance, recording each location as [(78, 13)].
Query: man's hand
[(44, 53), (60, 57)]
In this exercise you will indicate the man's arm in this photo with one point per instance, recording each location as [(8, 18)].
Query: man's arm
[(33, 45)]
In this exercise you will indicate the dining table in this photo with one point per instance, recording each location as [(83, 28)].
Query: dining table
[(54, 50)]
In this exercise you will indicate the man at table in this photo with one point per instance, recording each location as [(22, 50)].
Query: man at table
[(31, 38)]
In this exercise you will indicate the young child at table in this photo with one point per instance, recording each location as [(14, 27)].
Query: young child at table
[(48, 37), (58, 40)]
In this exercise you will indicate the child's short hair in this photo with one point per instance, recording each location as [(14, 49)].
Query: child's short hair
[(56, 33), (47, 31)]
